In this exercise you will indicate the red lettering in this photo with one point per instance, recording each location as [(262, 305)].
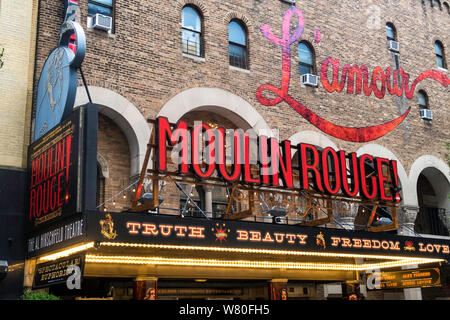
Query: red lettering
[(32, 204), (221, 156), (54, 194), (357, 243), (60, 189), (255, 236), (302, 238), (394, 179), (378, 74), (134, 227), (247, 165), (376, 244), (385, 244), (290, 238), (149, 229), (267, 238), (382, 179), (371, 191), (264, 159), (164, 134), (280, 165), (279, 237), (346, 242), (166, 230), (421, 247), (197, 151), (366, 243), (335, 241), (196, 232), (180, 231), (350, 189), (306, 168), (333, 171), (242, 235)]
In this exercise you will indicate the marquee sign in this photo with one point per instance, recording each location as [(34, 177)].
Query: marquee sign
[(328, 171), (177, 231), (357, 79), (56, 272), (424, 277)]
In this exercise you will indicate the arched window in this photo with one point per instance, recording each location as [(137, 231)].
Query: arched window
[(447, 7), (192, 38), (391, 33), (305, 58), (422, 99), (440, 56), (237, 44)]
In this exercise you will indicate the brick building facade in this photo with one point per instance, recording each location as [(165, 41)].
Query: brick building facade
[(139, 71)]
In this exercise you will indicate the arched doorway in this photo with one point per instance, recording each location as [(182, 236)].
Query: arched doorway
[(216, 108), (213, 200)]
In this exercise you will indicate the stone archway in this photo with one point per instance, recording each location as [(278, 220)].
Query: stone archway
[(127, 117), (440, 176), (218, 101)]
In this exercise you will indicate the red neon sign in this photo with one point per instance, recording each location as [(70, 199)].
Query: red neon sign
[(354, 134), (328, 171)]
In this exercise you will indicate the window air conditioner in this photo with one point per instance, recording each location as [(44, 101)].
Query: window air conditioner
[(394, 46), (309, 79), (426, 114), (102, 22)]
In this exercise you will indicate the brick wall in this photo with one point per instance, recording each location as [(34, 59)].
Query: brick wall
[(113, 146)]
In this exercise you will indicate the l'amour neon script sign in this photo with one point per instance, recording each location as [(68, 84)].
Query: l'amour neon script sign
[(201, 151), (354, 134)]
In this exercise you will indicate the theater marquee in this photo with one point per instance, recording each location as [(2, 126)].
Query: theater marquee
[(330, 171), (166, 230)]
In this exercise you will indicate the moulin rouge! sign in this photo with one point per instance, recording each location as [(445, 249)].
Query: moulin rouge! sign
[(356, 77), (53, 170), (202, 151)]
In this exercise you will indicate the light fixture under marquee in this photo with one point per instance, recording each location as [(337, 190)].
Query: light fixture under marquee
[(288, 265), (393, 261)]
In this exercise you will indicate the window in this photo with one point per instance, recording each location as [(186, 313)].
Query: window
[(422, 99), (305, 58), (440, 57), (391, 34), (237, 39), (191, 34), (104, 7)]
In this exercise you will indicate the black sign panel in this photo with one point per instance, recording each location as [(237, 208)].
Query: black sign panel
[(59, 235), (175, 230), (62, 170), (425, 277), (59, 271)]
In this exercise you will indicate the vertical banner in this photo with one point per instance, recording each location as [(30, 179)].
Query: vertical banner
[(62, 169), (145, 289), (278, 290)]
